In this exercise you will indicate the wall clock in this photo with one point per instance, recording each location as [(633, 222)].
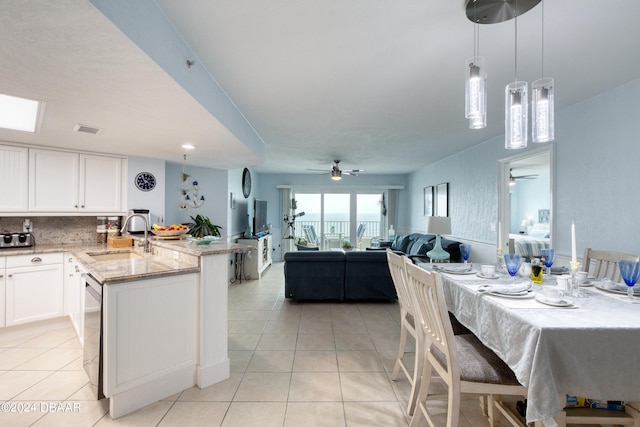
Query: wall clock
[(145, 181), (246, 183)]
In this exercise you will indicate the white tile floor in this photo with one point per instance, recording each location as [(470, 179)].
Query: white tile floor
[(307, 364)]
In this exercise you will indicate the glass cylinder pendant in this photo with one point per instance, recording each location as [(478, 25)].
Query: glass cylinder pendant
[(515, 117), (542, 110), (475, 96)]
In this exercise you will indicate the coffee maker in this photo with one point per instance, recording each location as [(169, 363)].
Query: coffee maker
[(136, 224)]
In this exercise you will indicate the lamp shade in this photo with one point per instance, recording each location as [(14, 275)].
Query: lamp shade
[(438, 225), (515, 123), (475, 96), (542, 109)]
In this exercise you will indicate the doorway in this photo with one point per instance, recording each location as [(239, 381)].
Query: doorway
[(525, 202)]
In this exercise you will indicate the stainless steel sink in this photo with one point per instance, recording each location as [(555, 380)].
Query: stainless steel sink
[(114, 256)]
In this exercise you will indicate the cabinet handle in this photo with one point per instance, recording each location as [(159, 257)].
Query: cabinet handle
[(1, 276), (11, 275), (70, 260), (36, 260), (75, 206)]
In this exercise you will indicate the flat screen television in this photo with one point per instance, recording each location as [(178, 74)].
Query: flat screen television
[(260, 226)]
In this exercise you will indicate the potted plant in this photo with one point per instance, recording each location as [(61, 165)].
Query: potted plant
[(346, 245), (202, 226)]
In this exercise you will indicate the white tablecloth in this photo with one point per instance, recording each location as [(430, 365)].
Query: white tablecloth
[(589, 351)]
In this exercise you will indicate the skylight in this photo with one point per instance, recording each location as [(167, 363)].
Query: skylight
[(19, 113)]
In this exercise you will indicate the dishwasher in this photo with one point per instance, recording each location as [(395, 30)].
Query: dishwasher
[(92, 357)]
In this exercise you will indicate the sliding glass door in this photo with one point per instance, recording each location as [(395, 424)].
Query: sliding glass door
[(331, 218)]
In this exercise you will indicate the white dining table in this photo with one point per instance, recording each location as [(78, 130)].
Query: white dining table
[(589, 350)]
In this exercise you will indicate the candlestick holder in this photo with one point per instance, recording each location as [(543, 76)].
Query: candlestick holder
[(500, 264), (575, 286)]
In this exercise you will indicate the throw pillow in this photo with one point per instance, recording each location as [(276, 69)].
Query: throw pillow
[(400, 243)]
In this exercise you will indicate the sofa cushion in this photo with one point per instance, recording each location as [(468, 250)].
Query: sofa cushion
[(367, 277), (314, 275), (400, 243)]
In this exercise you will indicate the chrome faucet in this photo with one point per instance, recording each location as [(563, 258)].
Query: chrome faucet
[(147, 244)]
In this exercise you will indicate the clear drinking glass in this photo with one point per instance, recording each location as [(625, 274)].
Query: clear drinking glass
[(465, 251), (629, 270), (512, 262)]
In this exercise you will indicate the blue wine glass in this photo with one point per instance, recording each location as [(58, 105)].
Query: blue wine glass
[(630, 270), (465, 251), (549, 256), (512, 262)]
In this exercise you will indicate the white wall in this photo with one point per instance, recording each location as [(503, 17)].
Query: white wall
[(596, 157)]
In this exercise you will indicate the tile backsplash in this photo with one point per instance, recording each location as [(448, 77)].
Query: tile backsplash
[(76, 230)]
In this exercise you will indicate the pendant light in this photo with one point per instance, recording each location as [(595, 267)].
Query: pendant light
[(542, 105), (516, 106), (475, 95)]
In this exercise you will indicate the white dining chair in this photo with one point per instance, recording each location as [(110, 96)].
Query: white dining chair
[(462, 361), (407, 327), (604, 264)]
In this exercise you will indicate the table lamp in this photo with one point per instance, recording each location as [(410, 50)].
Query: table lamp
[(438, 225)]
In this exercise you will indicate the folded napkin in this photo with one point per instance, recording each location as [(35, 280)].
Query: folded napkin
[(511, 289)]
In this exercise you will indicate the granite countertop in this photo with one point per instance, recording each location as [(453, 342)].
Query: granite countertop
[(158, 264)]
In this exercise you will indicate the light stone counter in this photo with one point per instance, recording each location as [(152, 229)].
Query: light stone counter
[(162, 262)]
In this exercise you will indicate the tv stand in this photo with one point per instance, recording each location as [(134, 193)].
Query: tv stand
[(256, 262)]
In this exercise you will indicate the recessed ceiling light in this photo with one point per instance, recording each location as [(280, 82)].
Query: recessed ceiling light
[(188, 146), (20, 113)]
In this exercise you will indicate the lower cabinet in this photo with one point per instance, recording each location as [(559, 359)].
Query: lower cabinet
[(74, 294), (3, 281), (34, 288), (256, 262)]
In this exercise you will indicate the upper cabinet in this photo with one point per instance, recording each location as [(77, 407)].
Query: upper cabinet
[(67, 182), (14, 167)]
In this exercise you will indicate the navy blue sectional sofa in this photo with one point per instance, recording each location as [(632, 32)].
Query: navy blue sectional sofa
[(416, 246), (338, 276)]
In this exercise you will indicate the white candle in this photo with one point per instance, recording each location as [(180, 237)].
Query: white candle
[(574, 258), (499, 236)]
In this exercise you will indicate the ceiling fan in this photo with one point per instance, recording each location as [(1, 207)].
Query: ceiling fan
[(512, 179), (336, 173)]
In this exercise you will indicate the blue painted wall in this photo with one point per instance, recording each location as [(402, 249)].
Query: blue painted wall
[(596, 158)]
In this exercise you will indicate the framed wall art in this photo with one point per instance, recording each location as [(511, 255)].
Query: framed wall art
[(442, 199), (428, 201)]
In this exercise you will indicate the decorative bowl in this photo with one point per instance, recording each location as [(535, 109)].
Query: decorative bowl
[(169, 233), (204, 240)]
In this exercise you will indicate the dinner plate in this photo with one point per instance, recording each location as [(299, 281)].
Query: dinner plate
[(529, 294), (482, 276), (587, 283), (456, 271), (636, 290), (541, 298)]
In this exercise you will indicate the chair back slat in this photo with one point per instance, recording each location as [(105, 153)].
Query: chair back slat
[(604, 264), (398, 276), (433, 318)]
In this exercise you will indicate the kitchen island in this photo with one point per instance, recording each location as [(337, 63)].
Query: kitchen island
[(164, 320)]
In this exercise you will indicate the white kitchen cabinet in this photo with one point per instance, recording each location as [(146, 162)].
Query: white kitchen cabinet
[(34, 288), (14, 179), (3, 281), (68, 182), (256, 262), (73, 303)]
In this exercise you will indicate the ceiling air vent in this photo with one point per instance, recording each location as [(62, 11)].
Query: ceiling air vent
[(87, 129)]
